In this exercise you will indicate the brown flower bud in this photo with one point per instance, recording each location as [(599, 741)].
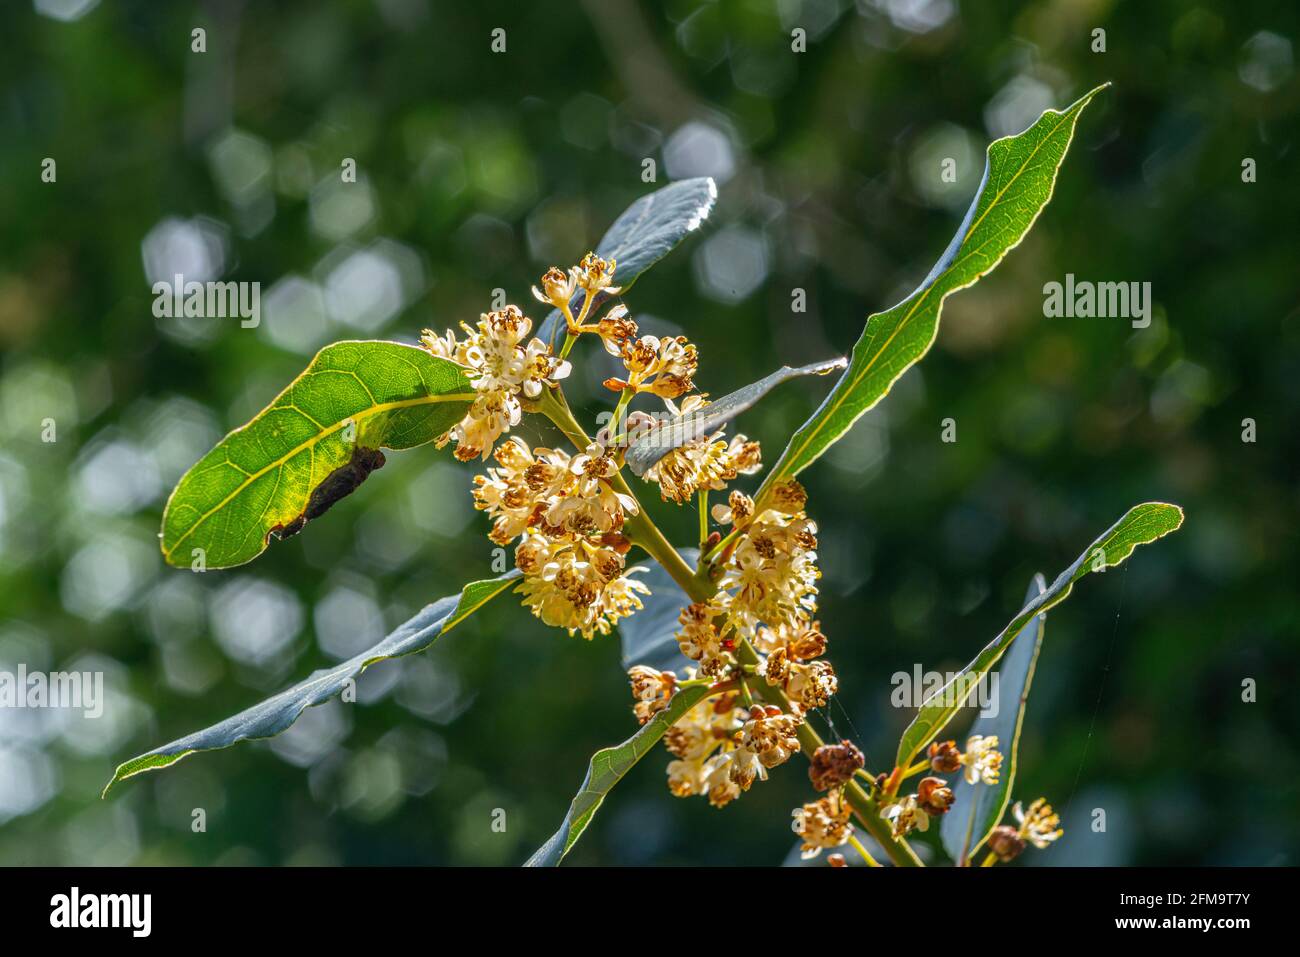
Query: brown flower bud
[(934, 796), (837, 860), (945, 757), (834, 764), (1006, 843)]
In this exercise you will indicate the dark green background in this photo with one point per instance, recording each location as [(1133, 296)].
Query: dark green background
[(484, 169)]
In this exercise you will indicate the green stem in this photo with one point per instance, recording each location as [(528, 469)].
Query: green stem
[(639, 528), (915, 769), (746, 694), (617, 437), (704, 516), (718, 549), (857, 846)]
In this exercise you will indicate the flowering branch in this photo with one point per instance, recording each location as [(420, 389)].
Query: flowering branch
[(643, 532)]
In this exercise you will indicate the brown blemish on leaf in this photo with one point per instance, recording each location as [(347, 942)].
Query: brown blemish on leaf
[(340, 483)]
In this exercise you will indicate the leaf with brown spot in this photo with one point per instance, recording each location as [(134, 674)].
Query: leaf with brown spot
[(316, 443)]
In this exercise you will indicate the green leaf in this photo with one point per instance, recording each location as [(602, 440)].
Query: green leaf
[(643, 234), (313, 445), (978, 808), (1143, 523), (652, 445), (278, 712), (1018, 180), (606, 770)]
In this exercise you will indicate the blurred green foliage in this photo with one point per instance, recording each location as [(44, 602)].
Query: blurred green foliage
[(476, 171)]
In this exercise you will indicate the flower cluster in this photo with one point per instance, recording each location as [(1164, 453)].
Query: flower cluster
[(660, 366), (592, 275), (767, 594), (706, 463), (653, 690), (549, 491), (703, 742), (722, 749), (577, 583), (980, 763), (823, 823), (569, 517), (502, 366)]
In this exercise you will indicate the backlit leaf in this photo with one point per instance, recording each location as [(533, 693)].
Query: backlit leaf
[(1019, 177), (313, 445)]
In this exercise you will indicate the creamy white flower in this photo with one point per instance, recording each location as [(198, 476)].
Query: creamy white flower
[(1040, 825), (770, 735), (771, 575), (575, 584), (982, 760), (501, 366), (699, 640), (906, 816)]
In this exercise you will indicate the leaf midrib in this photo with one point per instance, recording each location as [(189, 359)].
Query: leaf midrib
[(311, 443)]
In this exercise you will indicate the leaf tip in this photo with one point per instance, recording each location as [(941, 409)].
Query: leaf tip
[(1178, 511), (1084, 100), (119, 774)]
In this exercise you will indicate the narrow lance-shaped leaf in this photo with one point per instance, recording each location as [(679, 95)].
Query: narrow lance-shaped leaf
[(1019, 176), (978, 808), (607, 768), (277, 713), (645, 233), (313, 445), (653, 444), (1143, 523)]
